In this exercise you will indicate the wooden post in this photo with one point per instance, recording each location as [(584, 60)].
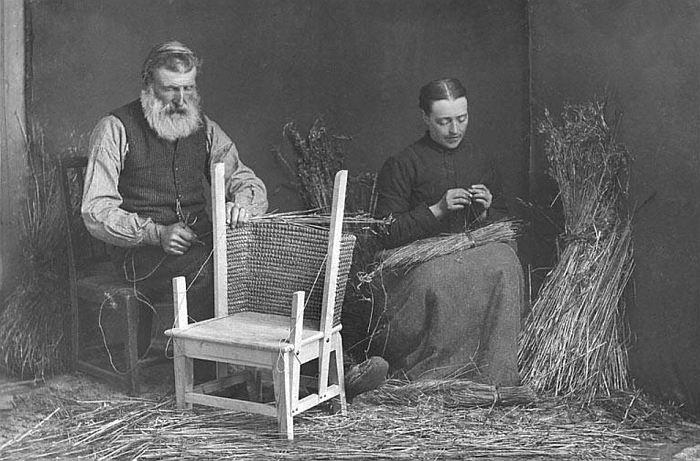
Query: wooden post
[(13, 159), (334, 242), (219, 229)]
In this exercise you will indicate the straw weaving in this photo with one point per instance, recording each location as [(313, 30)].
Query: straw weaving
[(268, 260)]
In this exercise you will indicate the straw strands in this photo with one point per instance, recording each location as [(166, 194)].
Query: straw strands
[(312, 218), (408, 256), (573, 344), (33, 314), (573, 341), (427, 429), (319, 156)]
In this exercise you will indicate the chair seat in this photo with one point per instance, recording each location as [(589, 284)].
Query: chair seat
[(266, 332)]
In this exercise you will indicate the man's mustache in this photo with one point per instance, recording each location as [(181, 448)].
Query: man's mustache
[(177, 110)]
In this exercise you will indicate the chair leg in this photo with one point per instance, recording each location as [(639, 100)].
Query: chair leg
[(75, 325), (131, 345), (183, 368), (253, 385), (337, 375), (282, 380), (144, 328), (295, 381)]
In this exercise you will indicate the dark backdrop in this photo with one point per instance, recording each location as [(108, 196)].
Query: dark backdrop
[(357, 63)]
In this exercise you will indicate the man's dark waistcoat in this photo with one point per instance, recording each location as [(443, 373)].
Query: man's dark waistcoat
[(159, 174)]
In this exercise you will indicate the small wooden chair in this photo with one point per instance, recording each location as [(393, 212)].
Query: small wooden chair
[(275, 310), (105, 309)]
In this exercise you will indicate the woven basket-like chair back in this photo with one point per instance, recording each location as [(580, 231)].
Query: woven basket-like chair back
[(268, 261)]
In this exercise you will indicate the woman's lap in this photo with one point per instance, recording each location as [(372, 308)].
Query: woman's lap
[(455, 313)]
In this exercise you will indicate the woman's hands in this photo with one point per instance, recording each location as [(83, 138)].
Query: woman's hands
[(457, 199), (454, 199), (481, 195)]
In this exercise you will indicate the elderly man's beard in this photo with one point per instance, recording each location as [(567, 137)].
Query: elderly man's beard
[(171, 122)]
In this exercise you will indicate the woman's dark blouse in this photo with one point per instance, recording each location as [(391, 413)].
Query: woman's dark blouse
[(419, 176)]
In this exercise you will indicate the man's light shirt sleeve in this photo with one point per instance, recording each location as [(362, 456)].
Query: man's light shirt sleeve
[(101, 209)]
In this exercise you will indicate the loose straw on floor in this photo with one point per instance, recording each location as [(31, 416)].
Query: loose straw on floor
[(426, 428)]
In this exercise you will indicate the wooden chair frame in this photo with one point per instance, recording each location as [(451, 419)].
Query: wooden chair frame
[(280, 344), (93, 286)]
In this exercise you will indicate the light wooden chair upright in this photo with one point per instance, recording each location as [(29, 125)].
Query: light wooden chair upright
[(275, 310)]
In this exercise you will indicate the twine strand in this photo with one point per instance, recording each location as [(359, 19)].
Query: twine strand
[(133, 279)]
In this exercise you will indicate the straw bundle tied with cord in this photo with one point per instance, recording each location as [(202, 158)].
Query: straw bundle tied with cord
[(573, 343), (408, 256)]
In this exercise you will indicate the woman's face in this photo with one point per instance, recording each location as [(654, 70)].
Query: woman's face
[(447, 121)]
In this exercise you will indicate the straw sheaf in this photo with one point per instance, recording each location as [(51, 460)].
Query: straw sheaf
[(404, 258), (573, 343)]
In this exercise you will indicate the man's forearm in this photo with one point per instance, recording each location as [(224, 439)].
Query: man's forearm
[(120, 228)]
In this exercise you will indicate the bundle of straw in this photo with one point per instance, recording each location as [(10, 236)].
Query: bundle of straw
[(33, 315), (450, 393), (573, 341), (319, 156), (408, 256)]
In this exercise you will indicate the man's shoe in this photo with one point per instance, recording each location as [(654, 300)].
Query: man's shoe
[(365, 376)]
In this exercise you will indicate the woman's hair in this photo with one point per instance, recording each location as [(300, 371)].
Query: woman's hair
[(171, 55), (444, 88)]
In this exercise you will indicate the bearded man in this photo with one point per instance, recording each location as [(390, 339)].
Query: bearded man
[(144, 186)]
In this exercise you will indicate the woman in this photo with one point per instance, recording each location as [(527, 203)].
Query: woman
[(456, 315)]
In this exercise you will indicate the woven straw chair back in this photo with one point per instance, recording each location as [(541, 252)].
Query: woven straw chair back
[(267, 261)]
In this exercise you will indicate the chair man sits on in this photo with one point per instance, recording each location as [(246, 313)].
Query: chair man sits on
[(105, 309)]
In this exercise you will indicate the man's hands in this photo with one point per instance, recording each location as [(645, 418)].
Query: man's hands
[(176, 239), (236, 214), (457, 199)]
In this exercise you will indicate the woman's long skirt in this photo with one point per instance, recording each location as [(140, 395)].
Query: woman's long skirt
[(456, 315)]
